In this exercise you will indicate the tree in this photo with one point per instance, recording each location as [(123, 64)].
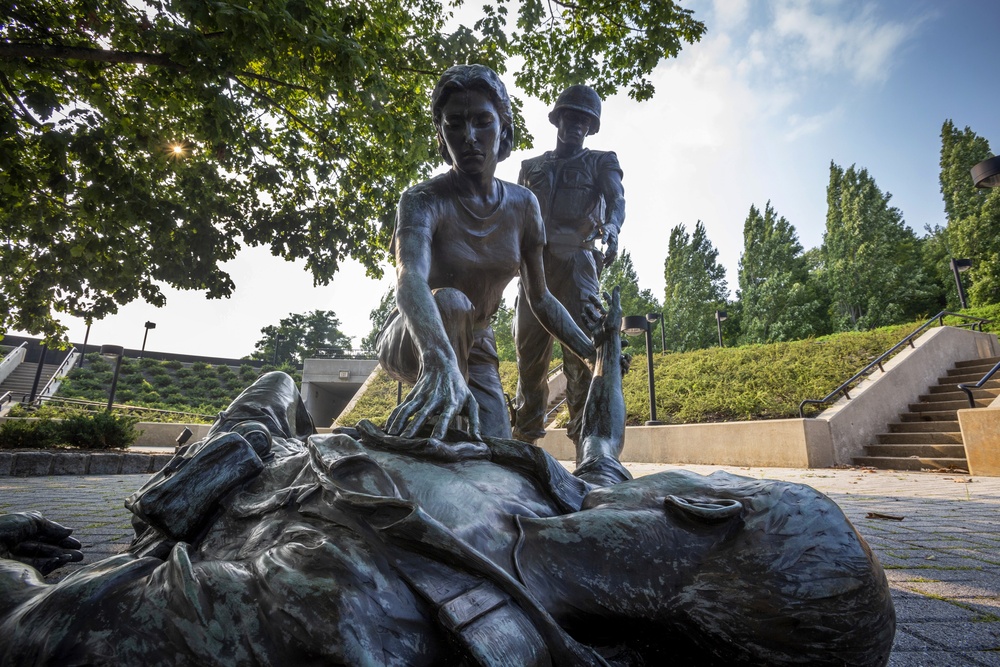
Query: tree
[(503, 332), (872, 259), (634, 301), (145, 142), (777, 299), (973, 213), (378, 316), (300, 336), (695, 289)]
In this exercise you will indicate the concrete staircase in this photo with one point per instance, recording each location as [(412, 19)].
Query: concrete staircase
[(21, 378), (928, 436)]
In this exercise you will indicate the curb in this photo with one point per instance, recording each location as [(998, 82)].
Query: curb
[(44, 464)]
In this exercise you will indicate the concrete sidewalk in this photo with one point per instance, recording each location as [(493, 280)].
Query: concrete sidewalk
[(942, 559)]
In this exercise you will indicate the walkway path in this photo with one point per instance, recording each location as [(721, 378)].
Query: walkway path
[(942, 559)]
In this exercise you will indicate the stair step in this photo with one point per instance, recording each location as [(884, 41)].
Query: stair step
[(953, 386), (929, 415), (922, 451), (932, 438), (962, 378), (938, 426), (989, 362), (912, 463), (958, 395), (940, 406)]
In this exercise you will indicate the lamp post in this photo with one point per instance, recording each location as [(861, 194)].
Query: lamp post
[(118, 351), (86, 337), (38, 374), (633, 325), (653, 318), (986, 174), (720, 317), (958, 267), (277, 341), (149, 325)]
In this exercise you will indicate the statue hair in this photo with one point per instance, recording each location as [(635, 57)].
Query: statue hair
[(462, 78)]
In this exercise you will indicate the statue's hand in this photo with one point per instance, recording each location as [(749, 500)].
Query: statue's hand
[(604, 322), (32, 539), (438, 391), (609, 236)]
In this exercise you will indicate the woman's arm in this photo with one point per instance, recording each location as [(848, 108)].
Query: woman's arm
[(440, 387)]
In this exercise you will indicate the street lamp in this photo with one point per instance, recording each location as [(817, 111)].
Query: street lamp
[(633, 325), (653, 318), (958, 267), (119, 352), (149, 325), (277, 341), (86, 337), (986, 174), (720, 317)]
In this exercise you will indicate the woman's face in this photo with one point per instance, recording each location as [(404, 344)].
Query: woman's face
[(470, 127)]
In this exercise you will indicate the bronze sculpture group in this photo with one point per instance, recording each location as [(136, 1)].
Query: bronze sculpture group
[(425, 544)]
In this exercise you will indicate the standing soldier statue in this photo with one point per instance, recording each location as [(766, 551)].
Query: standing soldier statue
[(581, 198)]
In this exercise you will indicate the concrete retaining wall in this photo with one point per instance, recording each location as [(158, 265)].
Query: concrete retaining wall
[(779, 443), (981, 432)]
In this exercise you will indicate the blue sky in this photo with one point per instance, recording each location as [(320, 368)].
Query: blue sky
[(754, 112)]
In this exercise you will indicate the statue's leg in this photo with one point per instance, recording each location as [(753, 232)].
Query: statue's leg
[(573, 281), (397, 353), (273, 400), (534, 354), (484, 382)]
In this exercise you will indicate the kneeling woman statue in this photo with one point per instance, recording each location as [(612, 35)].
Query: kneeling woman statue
[(460, 239)]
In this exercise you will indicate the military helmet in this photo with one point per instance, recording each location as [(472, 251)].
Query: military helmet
[(579, 98)]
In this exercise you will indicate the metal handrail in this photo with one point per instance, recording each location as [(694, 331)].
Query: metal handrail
[(58, 374), (554, 372), (342, 353), (7, 397), (986, 378), (908, 340), (119, 406), (553, 411)]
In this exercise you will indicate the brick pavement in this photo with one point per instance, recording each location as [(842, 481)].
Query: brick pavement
[(942, 560)]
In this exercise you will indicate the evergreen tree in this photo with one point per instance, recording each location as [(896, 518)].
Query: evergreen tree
[(635, 301), (378, 316), (695, 289), (973, 213), (871, 258), (503, 332), (300, 336), (777, 299)]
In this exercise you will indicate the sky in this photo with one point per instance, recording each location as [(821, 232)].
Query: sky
[(752, 113)]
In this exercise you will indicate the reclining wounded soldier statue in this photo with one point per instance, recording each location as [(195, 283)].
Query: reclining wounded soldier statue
[(265, 544)]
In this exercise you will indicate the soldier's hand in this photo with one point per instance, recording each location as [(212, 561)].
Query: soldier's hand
[(609, 236), (32, 539)]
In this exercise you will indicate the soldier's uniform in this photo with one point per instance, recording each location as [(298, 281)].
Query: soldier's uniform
[(576, 195)]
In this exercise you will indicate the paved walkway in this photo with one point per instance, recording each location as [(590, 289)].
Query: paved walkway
[(942, 559)]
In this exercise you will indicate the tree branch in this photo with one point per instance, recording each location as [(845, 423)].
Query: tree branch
[(18, 50), (13, 96)]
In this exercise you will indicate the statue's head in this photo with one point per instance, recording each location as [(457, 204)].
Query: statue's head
[(464, 78), (581, 99), (748, 571)]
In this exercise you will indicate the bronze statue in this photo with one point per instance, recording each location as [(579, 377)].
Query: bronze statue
[(260, 545), (460, 239), (581, 198)]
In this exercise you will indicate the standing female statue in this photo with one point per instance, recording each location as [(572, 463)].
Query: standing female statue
[(460, 238)]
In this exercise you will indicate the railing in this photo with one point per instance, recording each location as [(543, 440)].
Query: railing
[(551, 413), (979, 385), (340, 353), (8, 397), (100, 406), (53, 384), (554, 372), (12, 360), (843, 389)]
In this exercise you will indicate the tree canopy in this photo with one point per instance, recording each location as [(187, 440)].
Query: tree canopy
[(695, 289), (973, 230), (143, 143), (778, 300), (300, 336), (872, 260)]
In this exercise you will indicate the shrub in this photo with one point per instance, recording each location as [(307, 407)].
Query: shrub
[(102, 430), (198, 366), (173, 364), (28, 434)]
